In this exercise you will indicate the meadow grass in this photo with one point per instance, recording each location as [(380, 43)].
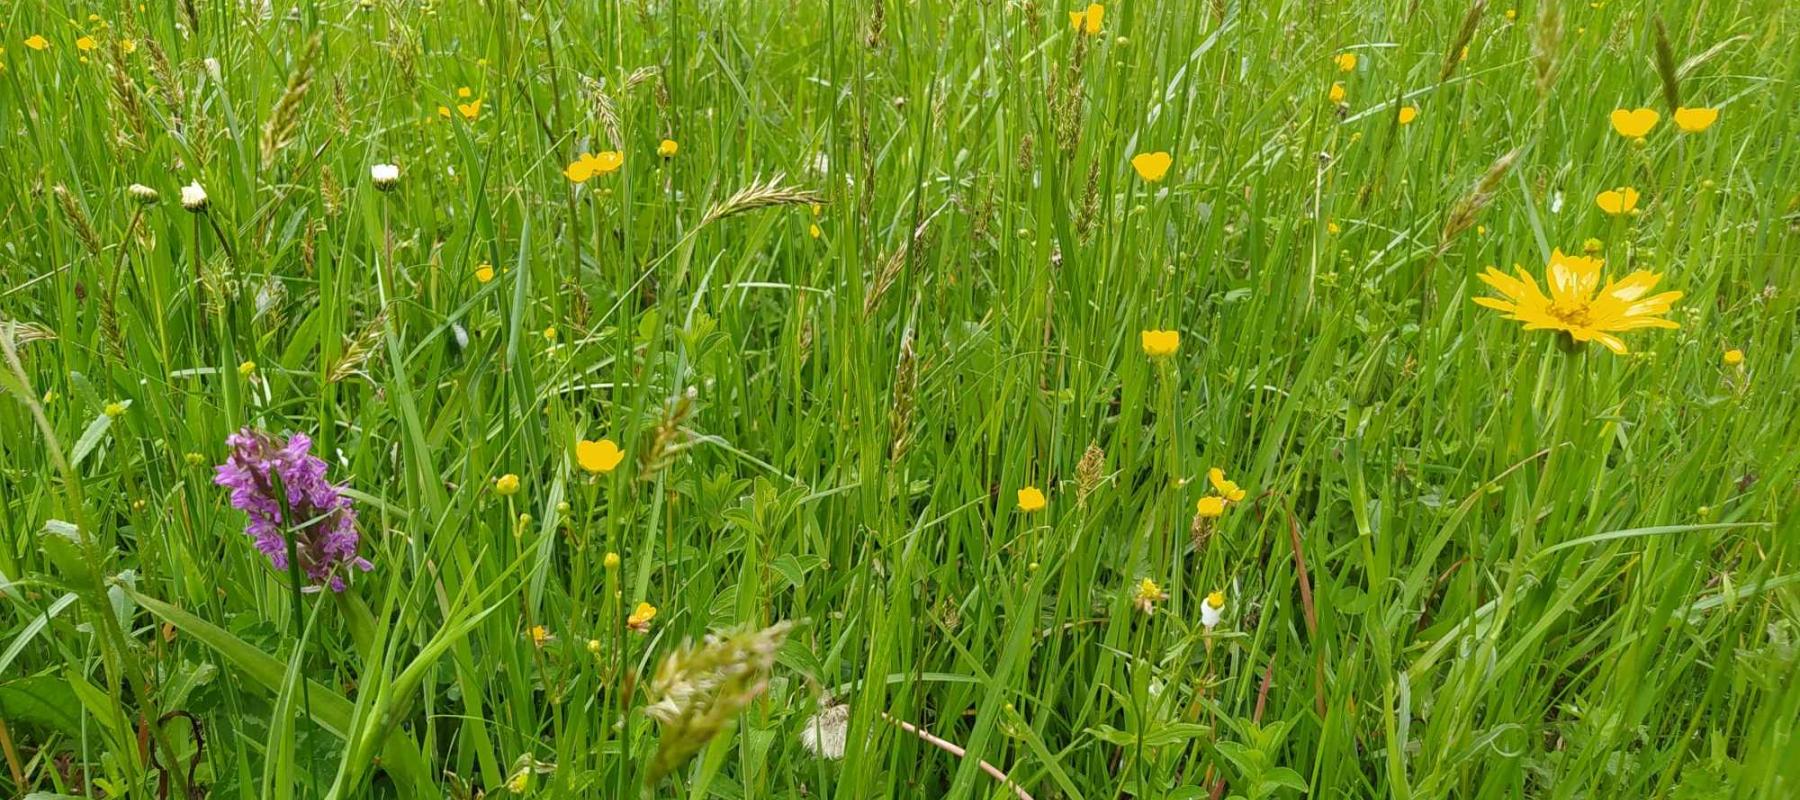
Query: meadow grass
[(895, 271)]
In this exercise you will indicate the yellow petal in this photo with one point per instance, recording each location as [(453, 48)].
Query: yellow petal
[(600, 456), (1634, 123), (1152, 166), (1408, 114), (580, 169), (1617, 201), (1031, 498), (1695, 120)]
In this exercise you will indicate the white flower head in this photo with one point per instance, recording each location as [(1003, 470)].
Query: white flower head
[(193, 197), (142, 194), (1212, 610), (386, 176), (827, 731)]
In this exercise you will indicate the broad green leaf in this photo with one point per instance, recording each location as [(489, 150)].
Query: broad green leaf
[(43, 700), (90, 438)]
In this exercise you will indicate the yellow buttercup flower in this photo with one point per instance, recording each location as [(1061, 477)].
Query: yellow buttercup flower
[(37, 42), (640, 617), (1031, 499), (1695, 120), (587, 165), (464, 92), (1148, 595), (1088, 19), (484, 273), (1634, 124), (1226, 489), (1152, 166), (1573, 306), (1734, 357), (1617, 201), (85, 43), (506, 485), (1337, 93), (668, 148), (600, 456), (1211, 506), (1408, 114), (247, 368), (540, 635), (1158, 344), (470, 110), (1345, 61), (814, 231)]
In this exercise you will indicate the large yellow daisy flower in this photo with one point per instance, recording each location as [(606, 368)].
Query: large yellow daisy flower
[(1572, 306)]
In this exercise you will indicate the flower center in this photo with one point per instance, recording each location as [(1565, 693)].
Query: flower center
[(1574, 314)]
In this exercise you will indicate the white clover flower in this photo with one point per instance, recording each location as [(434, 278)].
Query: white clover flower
[(827, 731), (386, 176), (193, 197), (1212, 610)]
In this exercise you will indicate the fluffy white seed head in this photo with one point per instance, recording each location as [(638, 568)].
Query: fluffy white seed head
[(193, 197), (385, 176), (1212, 610), (827, 731)]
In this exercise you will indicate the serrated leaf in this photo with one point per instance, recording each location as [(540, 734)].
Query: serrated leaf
[(90, 438)]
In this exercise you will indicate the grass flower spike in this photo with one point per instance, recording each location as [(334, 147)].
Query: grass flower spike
[(282, 487), (1572, 304)]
